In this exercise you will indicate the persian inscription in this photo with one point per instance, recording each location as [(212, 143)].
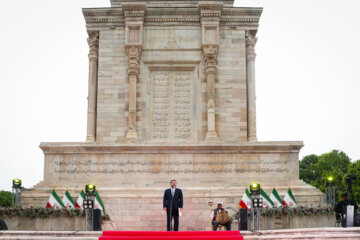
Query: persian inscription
[(171, 105), (140, 166)]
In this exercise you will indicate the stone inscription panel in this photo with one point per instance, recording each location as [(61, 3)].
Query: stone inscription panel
[(187, 165), (171, 106)]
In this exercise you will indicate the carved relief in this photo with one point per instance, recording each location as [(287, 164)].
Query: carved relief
[(93, 42), (133, 53), (173, 41), (210, 54), (250, 47), (171, 101)]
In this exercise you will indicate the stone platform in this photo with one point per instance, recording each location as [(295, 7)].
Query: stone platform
[(131, 178), (313, 233)]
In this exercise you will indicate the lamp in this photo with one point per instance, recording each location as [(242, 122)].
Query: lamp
[(16, 183), (255, 189), (90, 189)]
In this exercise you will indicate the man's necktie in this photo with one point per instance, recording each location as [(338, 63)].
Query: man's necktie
[(172, 192)]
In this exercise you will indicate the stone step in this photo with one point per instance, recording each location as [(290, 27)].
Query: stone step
[(291, 234), (306, 233), (49, 235)]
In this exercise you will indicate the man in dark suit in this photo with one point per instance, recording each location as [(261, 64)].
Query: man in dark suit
[(172, 204)]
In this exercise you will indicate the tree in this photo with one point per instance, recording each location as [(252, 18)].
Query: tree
[(354, 169), (306, 168), (316, 169), (5, 199), (335, 164)]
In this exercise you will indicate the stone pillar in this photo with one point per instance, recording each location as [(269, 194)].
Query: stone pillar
[(93, 42), (134, 13), (133, 53), (210, 13), (210, 54), (250, 76)]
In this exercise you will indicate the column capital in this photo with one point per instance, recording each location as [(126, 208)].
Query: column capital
[(210, 54), (251, 40), (93, 41), (133, 52)]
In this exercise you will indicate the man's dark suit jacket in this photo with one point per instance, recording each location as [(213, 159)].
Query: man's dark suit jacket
[(177, 201)]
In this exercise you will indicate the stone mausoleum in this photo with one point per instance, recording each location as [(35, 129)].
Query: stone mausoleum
[(171, 95)]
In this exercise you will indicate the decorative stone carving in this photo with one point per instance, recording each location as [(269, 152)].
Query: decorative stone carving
[(173, 41), (93, 42), (172, 106), (250, 72), (210, 13), (210, 55), (134, 13), (133, 54)]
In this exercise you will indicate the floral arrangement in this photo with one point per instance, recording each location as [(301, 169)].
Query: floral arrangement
[(40, 212), (298, 211)]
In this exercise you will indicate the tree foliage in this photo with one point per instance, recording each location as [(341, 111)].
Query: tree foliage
[(5, 199), (316, 169)]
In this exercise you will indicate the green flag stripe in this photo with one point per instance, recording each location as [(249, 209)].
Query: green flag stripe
[(100, 202), (247, 193), (275, 193), (57, 198), (264, 195), (82, 194), (67, 194), (291, 195)]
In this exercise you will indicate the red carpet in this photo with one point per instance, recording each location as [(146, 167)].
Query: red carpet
[(149, 235)]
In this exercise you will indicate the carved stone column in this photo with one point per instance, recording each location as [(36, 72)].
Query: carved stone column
[(93, 41), (133, 53), (134, 13), (210, 54), (210, 13), (251, 98)]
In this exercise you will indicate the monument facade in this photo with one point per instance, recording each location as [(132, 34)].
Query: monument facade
[(171, 95)]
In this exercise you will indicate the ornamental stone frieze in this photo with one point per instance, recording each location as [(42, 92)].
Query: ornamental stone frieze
[(93, 42)]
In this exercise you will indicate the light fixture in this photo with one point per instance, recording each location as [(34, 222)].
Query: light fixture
[(255, 189), (16, 183), (90, 189)]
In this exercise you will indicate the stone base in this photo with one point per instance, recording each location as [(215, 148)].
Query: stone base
[(131, 136), (141, 209), (131, 178), (211, 137)]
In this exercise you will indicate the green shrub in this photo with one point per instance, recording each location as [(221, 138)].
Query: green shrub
[(5, 199)]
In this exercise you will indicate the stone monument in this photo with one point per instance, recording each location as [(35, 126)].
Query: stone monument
[(171, 95)]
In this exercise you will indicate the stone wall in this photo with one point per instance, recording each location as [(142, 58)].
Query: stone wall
[(78, 223), (113, 87)]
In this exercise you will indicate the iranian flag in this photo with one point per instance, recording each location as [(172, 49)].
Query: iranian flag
[(289, 199), (274, 196), (267, 203), (80, 200), (98, 203), (246, 200), (54, 201), (68, 200)]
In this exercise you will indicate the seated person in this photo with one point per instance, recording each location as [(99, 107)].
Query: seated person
[(225, 220)]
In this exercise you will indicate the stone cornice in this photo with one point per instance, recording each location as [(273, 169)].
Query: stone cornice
[(246, 147), (101, 20), (116, 15)]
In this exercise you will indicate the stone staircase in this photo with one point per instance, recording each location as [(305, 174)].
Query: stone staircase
[(308, 233)]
